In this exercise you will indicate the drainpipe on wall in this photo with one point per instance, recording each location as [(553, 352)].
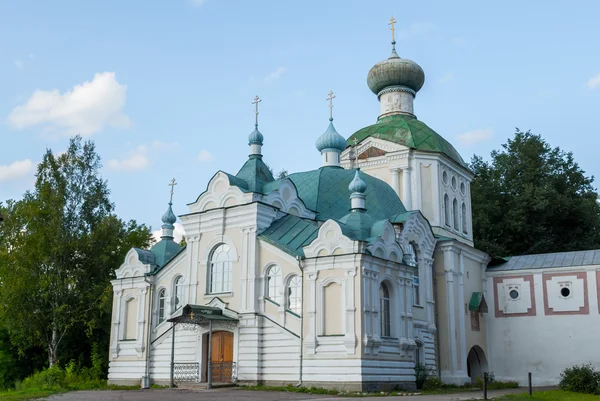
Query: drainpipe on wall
[(301, 323), (146, 378)]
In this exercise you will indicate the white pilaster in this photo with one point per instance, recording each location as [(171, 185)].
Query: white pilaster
[(350, 310), (406, 188), (395, 185), (462, 335), (450, 308)]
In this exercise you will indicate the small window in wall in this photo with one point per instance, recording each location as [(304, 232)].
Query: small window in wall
[(462, 188), (410, 255), (178, 293), (416, 293), (274, 284), (464, 218), (384, 310), (162, 300), (453, 182), (294, 299), (565, 290), (455, 213), (445, 177), (419, 360), (447, 210), (513, 293), (474, 320)]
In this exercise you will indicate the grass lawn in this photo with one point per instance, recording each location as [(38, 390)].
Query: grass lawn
[(553, 395)]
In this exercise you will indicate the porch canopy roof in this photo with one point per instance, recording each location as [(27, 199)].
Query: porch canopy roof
[(477, 303), (199, 314)]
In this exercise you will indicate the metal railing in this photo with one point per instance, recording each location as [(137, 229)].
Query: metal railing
[(223, 372), (186, 372)]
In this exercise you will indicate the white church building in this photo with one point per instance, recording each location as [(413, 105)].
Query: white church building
[(348, 275)]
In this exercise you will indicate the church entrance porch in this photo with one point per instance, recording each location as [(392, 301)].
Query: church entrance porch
[(218, 364), (476, 363)]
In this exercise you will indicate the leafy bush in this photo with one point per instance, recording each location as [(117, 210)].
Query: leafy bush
[(432, 382), (580, 379), (52, 378)]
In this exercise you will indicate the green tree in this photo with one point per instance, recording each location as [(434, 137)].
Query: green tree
[(532, 198), (60, 246)]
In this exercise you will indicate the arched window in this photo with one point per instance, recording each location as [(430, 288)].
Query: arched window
[(447, 210), (384, 310), (274, 284), (464, 218), (455, 213), (410, 255), (220, 270), (162, 300), (178, 291), (294, 298)]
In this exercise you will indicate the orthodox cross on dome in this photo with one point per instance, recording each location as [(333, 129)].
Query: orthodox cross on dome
[(192, 314), (392, 22), (330, 98), (172, 185), (256, 101), (356, 152)]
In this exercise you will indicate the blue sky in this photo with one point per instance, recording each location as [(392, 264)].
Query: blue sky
[(164, 88)]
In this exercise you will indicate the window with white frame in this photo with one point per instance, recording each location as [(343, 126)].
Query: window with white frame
[(384, 310), (455, 213), (178, 291), (294, 298), (274, 284), (447, 210), (220, 270), (464, 218), (162, 300), (415, 285)]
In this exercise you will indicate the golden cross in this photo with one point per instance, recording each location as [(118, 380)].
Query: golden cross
[(356, 151), (192, 314), (172, 185), (330, 98), (256, 101), (392, 22)]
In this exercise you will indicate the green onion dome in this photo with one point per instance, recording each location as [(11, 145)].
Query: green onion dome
[(255, 137), (169, 217), (395, 71), (357, 185), (331, 141)]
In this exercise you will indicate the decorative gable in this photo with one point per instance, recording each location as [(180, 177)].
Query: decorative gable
[(137, 263), (286, 199), (384, 246), (418, 231), (220, 193), (330, 241)]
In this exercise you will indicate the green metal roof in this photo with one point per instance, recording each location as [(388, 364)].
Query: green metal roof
[(291, 234), (357, 225), (408, 131), (254, 173), (146, 257), (199, 314), (164, 251), (325, 191)]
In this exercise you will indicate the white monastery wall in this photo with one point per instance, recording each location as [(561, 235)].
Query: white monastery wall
[(534, 328)]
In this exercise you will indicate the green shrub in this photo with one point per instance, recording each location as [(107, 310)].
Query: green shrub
[(432, 383), (580, 379), (421, 374), (52, 378)]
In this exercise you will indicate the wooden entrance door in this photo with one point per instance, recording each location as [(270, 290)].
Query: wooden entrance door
[(222, 357)]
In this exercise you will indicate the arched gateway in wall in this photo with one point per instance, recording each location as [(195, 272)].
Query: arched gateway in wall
[(476, 363)]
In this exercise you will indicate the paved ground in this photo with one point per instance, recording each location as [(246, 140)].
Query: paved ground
[(241, 395)]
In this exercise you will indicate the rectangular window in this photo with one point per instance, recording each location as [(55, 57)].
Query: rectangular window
[(416, 294)]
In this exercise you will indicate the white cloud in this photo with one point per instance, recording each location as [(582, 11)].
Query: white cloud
[(31, 56), (475, 136), (415, 29), (136, 160), (449, 77), (275, 75), (86, 109), (15, 170), (19, 64), (594, 81), (205, 156), (165, 146), (198, 3), (177, 233)]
